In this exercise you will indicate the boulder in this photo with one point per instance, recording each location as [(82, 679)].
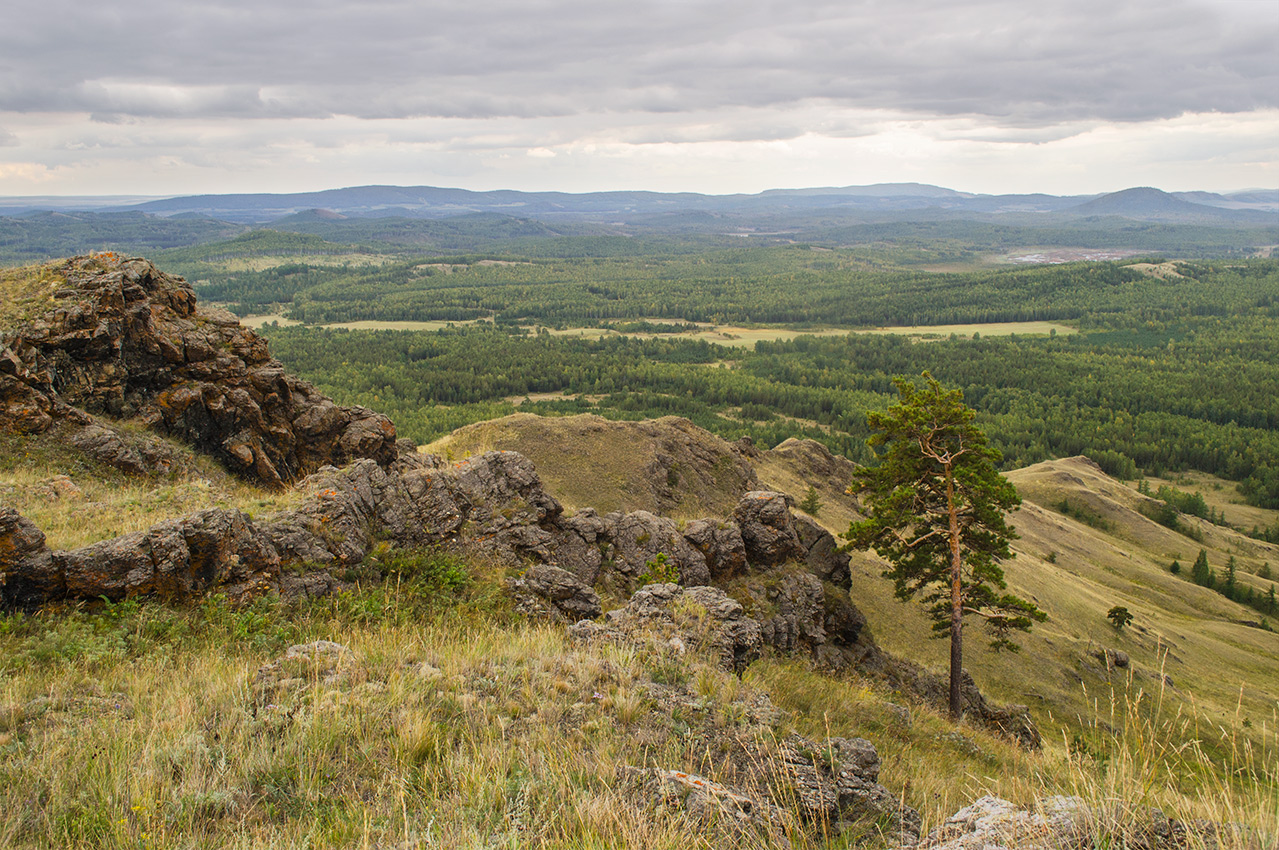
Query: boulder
[(822, 553), (27, 574), (582, 545), (556, 593), (991, 822), (720, 544), (767, 528), (837, 784), (699, 617), (639, 537)]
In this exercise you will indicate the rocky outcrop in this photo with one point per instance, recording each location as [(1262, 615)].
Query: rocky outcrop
[(1068, 823), (495, 504), (720, 544), (833, 785), (992, 822), (293, 553), (639, 537), (822, 553), (127, 340), (556, 594), (703, 618), (768, 529), (837, 784)]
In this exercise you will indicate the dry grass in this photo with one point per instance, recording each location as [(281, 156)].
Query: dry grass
[(27, 292), (622, 458), (453, 725), (76, 501)]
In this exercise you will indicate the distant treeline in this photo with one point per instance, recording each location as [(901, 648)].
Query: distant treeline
[(1196, 393), (786, 285)]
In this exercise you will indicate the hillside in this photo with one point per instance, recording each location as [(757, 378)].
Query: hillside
[(271, 623), (1074, 570), (1149, 204)]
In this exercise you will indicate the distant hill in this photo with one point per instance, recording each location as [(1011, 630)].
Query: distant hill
[(1149, 204), (765, 210)]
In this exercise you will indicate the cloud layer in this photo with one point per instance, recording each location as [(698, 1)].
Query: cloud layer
[(557, 75)]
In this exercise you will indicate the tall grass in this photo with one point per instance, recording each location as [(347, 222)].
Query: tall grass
[(1142, 751), (452, 723)]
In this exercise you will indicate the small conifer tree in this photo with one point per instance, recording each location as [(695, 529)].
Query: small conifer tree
[(811, 504), (1201, 573)]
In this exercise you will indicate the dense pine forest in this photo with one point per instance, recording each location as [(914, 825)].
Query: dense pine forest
[(1172, 367)]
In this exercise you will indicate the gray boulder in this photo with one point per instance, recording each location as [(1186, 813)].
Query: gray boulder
[(639, 537), (720, 544), (700, 617), (822, 553), (556, 593), (767, 528)]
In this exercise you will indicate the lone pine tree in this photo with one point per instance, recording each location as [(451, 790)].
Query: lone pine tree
[(935, 510)]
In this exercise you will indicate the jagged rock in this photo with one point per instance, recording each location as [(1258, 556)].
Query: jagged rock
[(714, 807), (556, 592), (335, 526), (992, 822), (639, 537), (26, 570), (177, 559), (135, 454), (822, 553), (768, 529), (127, 340), (582, 546), (700, 617), (790, 605), (837, 783), (721, 546)]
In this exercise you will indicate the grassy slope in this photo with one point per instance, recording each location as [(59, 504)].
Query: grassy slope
[(140, 725), (589, 461), (1228, 671)]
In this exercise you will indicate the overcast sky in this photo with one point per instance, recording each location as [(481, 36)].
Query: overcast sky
[(1081, 96)]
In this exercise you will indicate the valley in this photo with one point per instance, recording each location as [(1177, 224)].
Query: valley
[(653, 385)]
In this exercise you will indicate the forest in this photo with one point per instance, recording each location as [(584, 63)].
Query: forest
[(1159, 366), (1165, 374)]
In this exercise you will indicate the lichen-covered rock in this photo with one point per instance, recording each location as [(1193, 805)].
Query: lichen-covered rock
[(720, 543), (177, 559), (768, 529), (822, 553), (582, 545), (27, 574), (700, 617), (992, 822), (556, 593), (125, 339), (837, 783), (336, 525), (639, 537)]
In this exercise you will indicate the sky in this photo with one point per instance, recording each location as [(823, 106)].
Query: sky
[(719, 96)]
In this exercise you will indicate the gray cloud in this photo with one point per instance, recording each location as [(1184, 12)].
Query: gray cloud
[(1015, 64)]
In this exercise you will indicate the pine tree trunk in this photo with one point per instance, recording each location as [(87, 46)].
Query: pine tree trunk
[(956, 602)]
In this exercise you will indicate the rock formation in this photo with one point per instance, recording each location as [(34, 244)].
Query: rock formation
[(127, 340)]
